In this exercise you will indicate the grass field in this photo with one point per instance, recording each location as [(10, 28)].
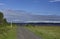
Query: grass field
[(6, 32), (46, 32), (12, 33)]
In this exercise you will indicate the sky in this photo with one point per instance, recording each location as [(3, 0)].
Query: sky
[(44, 7), (30, 10)]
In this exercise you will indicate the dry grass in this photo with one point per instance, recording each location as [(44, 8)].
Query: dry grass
[(46, 32)]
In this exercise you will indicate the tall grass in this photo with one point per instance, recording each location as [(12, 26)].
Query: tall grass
[(46, 32), (5, 31), (12, 33)]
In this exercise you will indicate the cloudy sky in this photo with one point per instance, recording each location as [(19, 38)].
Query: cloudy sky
[(36, 7)]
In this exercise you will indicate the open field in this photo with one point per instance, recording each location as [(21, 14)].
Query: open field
[(46, 32)]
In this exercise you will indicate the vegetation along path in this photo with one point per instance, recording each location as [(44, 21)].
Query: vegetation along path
[(23, 33)]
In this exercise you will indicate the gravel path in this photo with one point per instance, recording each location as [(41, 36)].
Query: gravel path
[(23, 33)]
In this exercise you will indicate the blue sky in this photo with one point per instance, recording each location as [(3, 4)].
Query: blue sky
[(44, 7), (20, 10)]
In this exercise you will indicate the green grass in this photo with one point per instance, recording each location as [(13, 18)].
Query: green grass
[(12, 33), (46, 32), (6, 32)]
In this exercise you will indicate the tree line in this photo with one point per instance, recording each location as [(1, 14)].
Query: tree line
[(2, 19), (3, 26)]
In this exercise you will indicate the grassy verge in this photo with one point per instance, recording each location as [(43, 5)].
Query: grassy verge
[(6, 32), (46, 32), (12, 33)]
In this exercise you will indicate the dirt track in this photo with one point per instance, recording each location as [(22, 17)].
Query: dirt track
[(23, 33)]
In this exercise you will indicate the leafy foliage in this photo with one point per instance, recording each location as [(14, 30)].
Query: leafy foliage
[(3, 27), (1, 15)]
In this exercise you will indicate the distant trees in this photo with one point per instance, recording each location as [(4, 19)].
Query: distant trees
[(5, 21), (1, 17), (3, 27), (2, 20)]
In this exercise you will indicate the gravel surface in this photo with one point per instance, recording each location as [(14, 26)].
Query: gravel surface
[(23, 33)]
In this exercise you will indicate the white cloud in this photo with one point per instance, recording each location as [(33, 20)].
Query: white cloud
[(54, 1), (2, 4)]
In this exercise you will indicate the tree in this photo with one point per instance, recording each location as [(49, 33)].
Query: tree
[(5, 20), (1, 15), (1, 18)]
